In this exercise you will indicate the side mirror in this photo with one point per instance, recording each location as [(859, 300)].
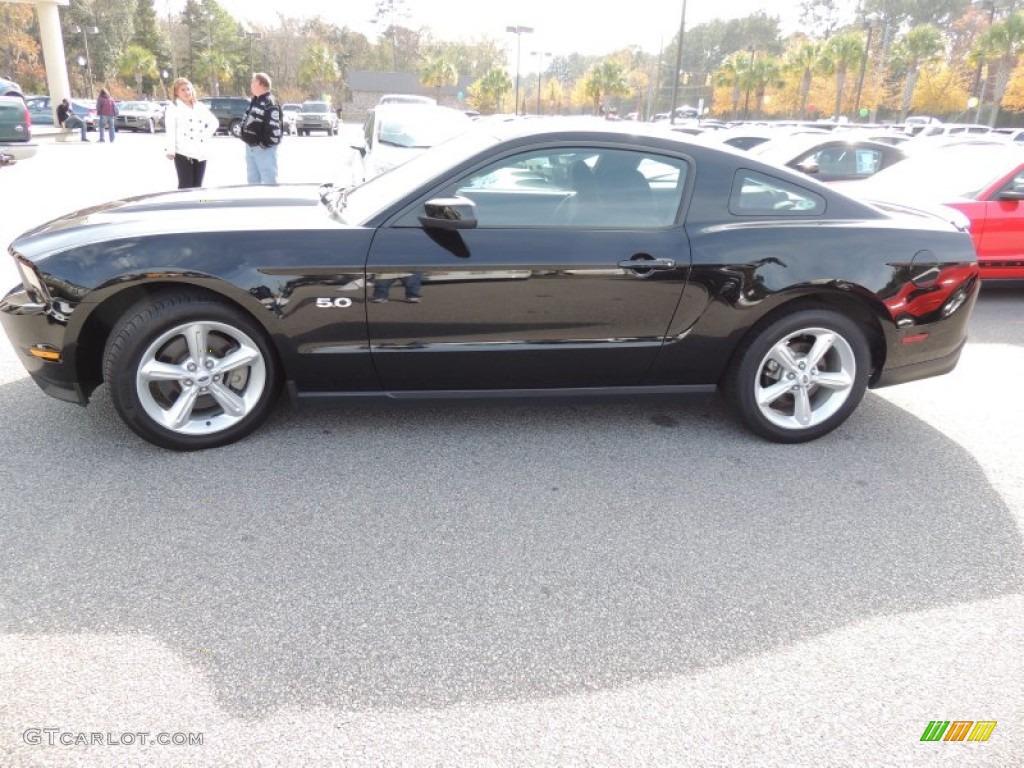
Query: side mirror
[(449, 213), (1015, 191), (808, 166)]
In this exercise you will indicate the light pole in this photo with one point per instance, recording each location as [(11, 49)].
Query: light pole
[(163, 81), (252, 36), (540, 70), (518, 31), (679, 66), (86, 31)]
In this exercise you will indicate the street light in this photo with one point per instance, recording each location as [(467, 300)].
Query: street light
[(164, 74), (86, 31), (518, 31), (252, 36), (82, 61), (540, 71)]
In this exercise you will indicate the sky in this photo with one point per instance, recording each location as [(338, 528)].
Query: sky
[(560, 26)]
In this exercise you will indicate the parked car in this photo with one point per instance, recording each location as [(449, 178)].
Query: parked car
[(829, 157), (949, 129), (985, 182), (229, 111), (317, 116), (147, 116), (10, 88), (395, 133), (290, 116), (725, 272), (406, 98), (1013, 134), (15, 130)]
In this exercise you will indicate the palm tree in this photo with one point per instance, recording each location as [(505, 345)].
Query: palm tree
[(216, 67), (606, 79), (438, 73), (919, 46), (488, 93), (1003, 42), (137, 62), (768, 72), (318, 69), (729, 76), (804, 61), (838, 56)]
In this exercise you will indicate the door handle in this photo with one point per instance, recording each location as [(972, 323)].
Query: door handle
[(647, 263)]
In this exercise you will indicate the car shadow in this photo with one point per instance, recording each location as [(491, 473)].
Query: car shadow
[(473, 552)]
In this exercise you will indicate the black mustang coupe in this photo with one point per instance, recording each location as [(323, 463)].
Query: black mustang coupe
[(521, 259)]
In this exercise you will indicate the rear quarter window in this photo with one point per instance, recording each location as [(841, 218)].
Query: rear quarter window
[(755, 194)]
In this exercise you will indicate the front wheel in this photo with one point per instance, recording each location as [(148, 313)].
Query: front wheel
[(235, 129), (800, 376), (188, 372), (151, 127)]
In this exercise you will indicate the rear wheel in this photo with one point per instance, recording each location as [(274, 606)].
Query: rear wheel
[(235, 128), (188, 372), (800, 376)]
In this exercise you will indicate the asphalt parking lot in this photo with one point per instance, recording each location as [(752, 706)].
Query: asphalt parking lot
[(526, 584)]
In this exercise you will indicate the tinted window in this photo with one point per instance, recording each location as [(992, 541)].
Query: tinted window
[(582, 187), (754, 194)]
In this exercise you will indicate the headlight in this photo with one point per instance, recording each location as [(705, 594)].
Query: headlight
[(34, 286)]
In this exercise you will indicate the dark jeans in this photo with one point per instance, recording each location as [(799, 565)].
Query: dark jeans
[(190, 171), (411, 283)]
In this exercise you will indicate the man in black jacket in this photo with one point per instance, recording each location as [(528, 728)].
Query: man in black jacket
[(261, 132)]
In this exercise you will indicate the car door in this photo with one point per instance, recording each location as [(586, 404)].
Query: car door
[(569, 279), (1002, 236)]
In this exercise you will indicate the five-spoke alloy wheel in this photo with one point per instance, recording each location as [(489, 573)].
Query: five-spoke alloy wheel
[(800, 376), (188, 372)]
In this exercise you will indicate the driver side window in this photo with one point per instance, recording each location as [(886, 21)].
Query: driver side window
[(576, 188)]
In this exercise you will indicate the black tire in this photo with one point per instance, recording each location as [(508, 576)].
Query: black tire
[(194, 355), (235, 128), (783, 394)]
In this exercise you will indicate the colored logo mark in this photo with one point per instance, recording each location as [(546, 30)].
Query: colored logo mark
[(958, 730)]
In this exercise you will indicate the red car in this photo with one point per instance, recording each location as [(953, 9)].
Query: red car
[(985, 182)]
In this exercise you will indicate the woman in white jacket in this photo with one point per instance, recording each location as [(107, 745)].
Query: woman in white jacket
[(190, 125)]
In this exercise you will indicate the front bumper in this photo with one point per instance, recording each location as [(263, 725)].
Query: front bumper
[(35, 326)]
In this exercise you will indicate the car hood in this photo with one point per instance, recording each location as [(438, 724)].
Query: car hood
[(223, 209)]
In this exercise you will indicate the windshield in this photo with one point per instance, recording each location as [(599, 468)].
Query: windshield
[(422, 127), (941, 176), (369, 199), (315, 108)]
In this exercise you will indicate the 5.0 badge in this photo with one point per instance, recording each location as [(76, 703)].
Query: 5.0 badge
[(328, 303)]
